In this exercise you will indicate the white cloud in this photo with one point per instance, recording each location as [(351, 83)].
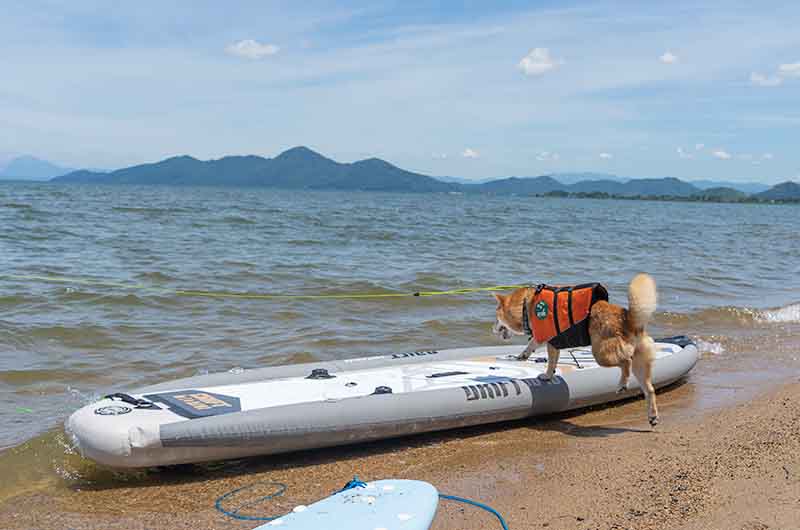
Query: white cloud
[(721, 154), (767, 156), (684, 154), (789, 70), (470, 153), (765, 80), (699, 147), (538, 62), (606, 156), (668, 58), (439, 156), (785, 71), (547, 156), (251, 49)]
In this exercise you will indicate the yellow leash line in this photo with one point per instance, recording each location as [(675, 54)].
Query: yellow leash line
[(250, 296)]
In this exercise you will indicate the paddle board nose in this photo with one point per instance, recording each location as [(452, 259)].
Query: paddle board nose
[(104, 431)]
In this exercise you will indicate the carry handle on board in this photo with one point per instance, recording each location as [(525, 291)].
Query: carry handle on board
[(130, 400)]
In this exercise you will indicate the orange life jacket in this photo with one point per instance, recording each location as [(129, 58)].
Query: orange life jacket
[(560, 314)]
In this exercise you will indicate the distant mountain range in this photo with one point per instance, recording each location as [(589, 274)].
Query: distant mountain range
[(302, 168), (786, 191), (297, 168), (747, 187), (563, 178), (574, 178), (31, 168)]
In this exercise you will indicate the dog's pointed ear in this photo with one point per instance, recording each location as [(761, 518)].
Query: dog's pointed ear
[(499, 298)]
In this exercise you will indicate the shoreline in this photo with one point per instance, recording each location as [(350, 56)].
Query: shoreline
[(729, 467), (697, 197)]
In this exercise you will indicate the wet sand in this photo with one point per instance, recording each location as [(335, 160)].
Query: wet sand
[(734, 467)]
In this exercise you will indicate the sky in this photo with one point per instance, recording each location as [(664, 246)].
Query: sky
[(471, 89)]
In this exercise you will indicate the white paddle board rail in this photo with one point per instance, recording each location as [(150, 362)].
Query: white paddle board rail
[(306, 406)]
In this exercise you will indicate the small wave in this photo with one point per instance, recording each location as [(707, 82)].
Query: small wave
[(73, 294), (142, 210), (714, 348), (291, 358), (284, 316), (237, 220), (78, 336), (155, 276), (789, 313), (437, 325), (27, 377), (431, 280), (238, 263), (712, 315), (728, 317), (17, 206), (305, 242), (19, 299), (379, 235)]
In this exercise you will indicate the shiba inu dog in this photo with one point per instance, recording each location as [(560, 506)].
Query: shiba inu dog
[(617, 335)]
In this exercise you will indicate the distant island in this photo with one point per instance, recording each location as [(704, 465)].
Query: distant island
[(302, 168), (31, 168)]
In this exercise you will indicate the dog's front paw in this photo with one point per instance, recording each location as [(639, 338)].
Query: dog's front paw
[(545, 377), (653, 421), (523, 356), (622, 388)]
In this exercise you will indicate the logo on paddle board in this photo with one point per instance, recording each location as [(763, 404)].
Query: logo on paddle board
[(491, 390), (198, 403), (541, 310), (112, 410)]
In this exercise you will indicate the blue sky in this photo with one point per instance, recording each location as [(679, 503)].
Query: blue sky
[(472, 89)]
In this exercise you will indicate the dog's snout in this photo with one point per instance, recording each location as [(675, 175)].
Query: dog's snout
[(500, 330)]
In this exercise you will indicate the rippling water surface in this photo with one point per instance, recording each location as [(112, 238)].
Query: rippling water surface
[(728, 275)]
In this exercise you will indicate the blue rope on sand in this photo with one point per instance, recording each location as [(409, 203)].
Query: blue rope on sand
[(235, 513), (355, 483), (479, 505)]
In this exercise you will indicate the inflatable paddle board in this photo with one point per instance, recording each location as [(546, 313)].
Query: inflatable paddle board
[(306, 406), (388, 504)]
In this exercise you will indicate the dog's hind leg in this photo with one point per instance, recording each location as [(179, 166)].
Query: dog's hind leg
[(552, 360), (642, 369), (532, 345), (625, 367)]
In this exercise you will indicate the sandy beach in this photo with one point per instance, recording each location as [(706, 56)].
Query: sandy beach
[(286, 225), (736, 467)]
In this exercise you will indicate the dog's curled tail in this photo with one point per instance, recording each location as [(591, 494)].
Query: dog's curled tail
[(642, 298)]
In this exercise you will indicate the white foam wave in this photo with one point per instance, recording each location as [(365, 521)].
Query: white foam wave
[(789, 313), (714, 348)]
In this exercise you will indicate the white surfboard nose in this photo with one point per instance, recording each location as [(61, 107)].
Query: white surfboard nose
[(382, 504)]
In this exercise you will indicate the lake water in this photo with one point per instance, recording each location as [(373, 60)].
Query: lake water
[(728, 275)]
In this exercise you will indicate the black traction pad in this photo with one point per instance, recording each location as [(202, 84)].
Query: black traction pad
[(197, 403)]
